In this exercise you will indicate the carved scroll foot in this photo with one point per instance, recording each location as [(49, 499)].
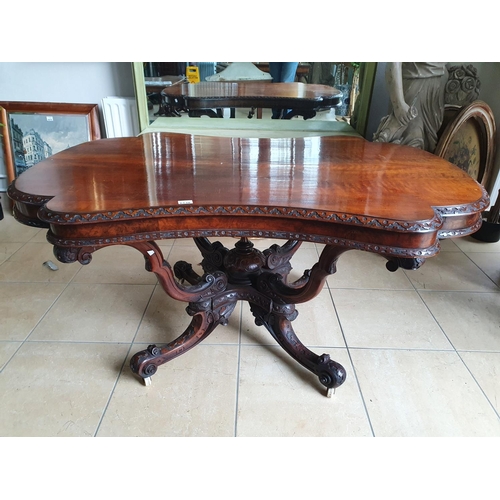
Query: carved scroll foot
[(330, 373), (394, 263), (146, 362)]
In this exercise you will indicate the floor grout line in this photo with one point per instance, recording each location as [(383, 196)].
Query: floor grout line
[(131, 344), (353, 367)]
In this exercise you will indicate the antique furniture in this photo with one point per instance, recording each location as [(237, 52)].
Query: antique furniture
[(343, 192), (202, 98)]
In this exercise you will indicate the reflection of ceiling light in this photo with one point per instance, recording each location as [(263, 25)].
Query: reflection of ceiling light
[(238, 71)]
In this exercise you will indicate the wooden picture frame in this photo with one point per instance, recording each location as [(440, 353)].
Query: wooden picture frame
[(33, 131), (468, 140)]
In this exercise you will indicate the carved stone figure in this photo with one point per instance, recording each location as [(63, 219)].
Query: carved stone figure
[(462, 86), (416, 91)]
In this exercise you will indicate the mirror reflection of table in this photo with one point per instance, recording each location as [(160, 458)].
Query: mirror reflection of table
[(208, 98), (343, 192)]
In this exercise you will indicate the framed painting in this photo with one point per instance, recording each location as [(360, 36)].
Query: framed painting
[(468, 140), (33, 131)]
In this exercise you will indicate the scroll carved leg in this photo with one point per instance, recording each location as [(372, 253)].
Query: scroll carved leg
[(330, 373), (307, 287), (205, 320)]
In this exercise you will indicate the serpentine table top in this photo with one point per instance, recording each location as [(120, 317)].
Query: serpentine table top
[(342, 191), (303, 99)]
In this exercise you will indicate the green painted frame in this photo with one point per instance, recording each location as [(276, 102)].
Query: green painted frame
[(367, 79)]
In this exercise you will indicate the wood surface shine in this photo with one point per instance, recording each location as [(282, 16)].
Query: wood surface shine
[(347, 175), (292, 90)]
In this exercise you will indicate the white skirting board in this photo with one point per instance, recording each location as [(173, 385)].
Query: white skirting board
[(120, 117)]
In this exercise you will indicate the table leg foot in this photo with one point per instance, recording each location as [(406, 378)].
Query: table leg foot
[(205, 320), (330, 373)]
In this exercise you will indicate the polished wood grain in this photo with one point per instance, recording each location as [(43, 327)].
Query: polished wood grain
[(304, 184), (342, 191)]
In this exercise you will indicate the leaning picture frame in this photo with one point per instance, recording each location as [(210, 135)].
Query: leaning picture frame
[(468, 140), (33, 131)]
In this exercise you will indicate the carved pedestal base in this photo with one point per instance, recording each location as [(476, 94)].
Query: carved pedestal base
[(243, 273)]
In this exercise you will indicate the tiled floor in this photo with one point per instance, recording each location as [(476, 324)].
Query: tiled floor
[(421, 348)]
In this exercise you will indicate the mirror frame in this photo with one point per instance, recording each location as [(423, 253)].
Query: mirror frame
[(363, 102)]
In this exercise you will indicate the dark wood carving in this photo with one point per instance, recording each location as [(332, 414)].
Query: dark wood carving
[(344, 192)]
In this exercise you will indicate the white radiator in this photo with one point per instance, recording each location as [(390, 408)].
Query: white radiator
[(120, 116)]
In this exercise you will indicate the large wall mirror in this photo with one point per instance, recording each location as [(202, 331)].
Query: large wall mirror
[(355, 79)]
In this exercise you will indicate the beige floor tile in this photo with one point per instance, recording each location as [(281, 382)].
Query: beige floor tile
[(489, 263), (101, 313), (318, 312), (449, 245), (469, 244), (27, 265), (40, 237), (187, 253), (7, 350), (485, 367), (166, 318), (22, 306), (12, 231), (304, 259), (58, 389), (422, 394), (8, 249), (192, 395), (387, 318), (357, 269), (279, 398), (116, 264), (165, 245), (450, 271), (470, 320)]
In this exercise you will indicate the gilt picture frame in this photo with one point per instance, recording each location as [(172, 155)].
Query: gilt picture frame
[(33, 131)]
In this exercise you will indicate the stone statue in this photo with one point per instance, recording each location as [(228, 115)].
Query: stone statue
[(462, 86), (416, 91)]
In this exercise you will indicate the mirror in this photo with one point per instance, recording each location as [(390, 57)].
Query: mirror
[(362, 74)]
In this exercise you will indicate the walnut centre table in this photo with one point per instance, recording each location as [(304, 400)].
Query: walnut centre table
[(342, 191), (199, 98)]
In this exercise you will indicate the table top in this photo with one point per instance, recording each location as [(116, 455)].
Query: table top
[(296, 90), (383, 197)]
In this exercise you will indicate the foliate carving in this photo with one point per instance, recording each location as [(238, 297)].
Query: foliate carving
[(374, 222), (330, 373), (16, 195), (213, 258), (463, 85), (479, 206), (69, 254), (454, 233), (278, 257), (369, 247)]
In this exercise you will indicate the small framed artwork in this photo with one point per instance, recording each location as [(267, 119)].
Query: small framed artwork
[(468, 140), (33, 131)]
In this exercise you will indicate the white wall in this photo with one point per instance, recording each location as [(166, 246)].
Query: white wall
[(70, 82)]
